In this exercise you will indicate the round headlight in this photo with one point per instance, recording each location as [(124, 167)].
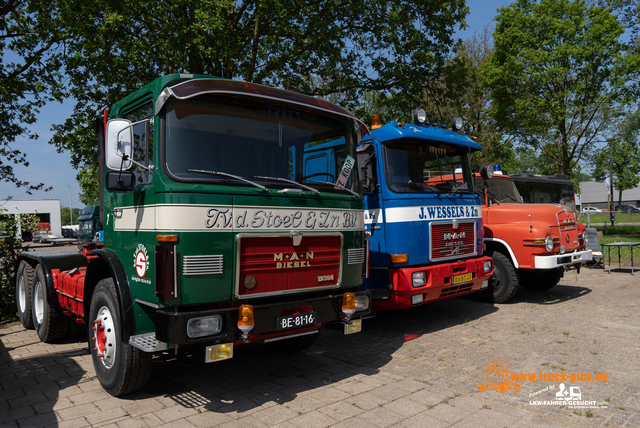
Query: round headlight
[(419, 116), (548, 243), (585, 237), (456, 123)]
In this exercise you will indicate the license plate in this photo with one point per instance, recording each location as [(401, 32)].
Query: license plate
[(465, 277), (295, 321)]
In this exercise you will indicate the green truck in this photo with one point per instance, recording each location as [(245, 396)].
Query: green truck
[(213, 236), (89, 224)]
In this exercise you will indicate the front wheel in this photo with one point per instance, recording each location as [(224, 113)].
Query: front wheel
[(504, 281), (121, 368)]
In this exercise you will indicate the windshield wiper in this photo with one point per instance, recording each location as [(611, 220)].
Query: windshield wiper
[(423, 186), (295, 183), (224, 174), (335, 186)]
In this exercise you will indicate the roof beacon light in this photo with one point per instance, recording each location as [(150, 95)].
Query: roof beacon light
[(348, 305), (497, 170), (419, 116), (376, 122), (456, 123)]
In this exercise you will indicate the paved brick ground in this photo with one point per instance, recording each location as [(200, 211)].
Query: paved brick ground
[(413, 368)]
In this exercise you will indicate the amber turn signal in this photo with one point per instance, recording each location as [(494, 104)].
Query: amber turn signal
[(167, 238), (399, 258)]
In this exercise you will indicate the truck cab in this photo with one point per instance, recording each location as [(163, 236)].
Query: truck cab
[(424, 231), (89, 223), (531, 244), (214, 236)]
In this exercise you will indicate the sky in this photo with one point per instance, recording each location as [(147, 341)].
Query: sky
[(54, 169)]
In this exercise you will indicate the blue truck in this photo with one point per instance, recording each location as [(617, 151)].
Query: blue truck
[(423, 218)]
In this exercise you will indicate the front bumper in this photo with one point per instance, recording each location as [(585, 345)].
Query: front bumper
[(171, 327), (558, 260), (439, 283)]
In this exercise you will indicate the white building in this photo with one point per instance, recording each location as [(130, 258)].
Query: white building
[(595, 194), (48, 210)]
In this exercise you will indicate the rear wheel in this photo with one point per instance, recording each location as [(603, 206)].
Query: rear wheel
[(295, 344), (24, 278), (50, 323), (504, 281), (121, 368)]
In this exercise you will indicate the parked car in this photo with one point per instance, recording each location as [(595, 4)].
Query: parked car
[(629, 209), (43, 236), (591, 210), (68, 233)]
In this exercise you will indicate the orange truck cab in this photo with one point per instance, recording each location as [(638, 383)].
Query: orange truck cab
[(531, 244)]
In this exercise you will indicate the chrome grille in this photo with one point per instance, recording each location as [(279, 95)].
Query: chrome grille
[(202, 265), (355, 256)]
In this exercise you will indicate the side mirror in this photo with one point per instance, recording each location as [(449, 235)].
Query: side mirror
[(120, 181), (366, 166), (119, 144)]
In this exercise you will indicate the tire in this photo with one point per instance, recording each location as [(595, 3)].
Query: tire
[(24, 278), (49, 322), (504, 281), (540, 280), (121, 368), (294, 345)]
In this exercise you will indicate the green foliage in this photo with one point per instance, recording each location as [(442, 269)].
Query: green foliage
[(10, 248), (28, 78), (557, 70), (64, 215), (345, 48), (620, 231), (623, 159)]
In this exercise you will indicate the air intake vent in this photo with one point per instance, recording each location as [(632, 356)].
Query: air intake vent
[(202, 265), (355, 256)]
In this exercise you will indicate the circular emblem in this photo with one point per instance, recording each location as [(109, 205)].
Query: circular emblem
[(250, 282), (141, 260)]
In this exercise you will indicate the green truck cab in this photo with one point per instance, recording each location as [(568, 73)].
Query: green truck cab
[(213, 237)]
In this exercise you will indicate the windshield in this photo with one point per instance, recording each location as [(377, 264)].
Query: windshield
[(501, 190), (236, 141), (85, 227), (537, 192), (418, 166)]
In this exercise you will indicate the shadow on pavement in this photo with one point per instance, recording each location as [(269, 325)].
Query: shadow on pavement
[(260, 377), (30, 385)]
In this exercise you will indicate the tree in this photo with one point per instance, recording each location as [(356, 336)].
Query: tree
[(10, 248), (346, 47), (64, 215), (558, 65), (29, 76), (624, 157)]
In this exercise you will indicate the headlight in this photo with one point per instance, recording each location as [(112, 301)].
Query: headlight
[(585, 238), (362, 303), (204, 326), (418, 279), (487, 266), (548, 244)]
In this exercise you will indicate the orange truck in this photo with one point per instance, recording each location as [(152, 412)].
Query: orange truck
[(532, 245)]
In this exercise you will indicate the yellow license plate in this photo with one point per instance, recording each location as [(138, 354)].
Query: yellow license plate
[(465, 277)]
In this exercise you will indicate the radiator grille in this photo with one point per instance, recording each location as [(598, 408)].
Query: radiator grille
[(448, 242), (279, 267)]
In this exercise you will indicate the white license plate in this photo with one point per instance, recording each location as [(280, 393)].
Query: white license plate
[(296, 321)]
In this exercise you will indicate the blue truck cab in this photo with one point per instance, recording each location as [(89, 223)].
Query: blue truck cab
[(423, 219)]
